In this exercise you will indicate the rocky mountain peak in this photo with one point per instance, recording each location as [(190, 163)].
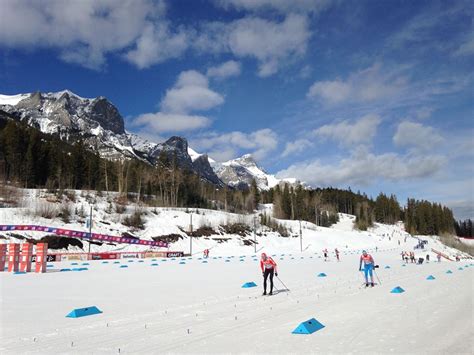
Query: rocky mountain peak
[(178, 143)]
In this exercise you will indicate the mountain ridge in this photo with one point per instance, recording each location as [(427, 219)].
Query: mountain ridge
[(98, 122)]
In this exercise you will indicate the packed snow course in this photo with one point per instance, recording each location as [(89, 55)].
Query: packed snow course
[(188, 306), (192, 305)]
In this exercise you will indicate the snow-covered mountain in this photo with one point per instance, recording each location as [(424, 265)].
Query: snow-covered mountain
[(101, 126), (241, 171), (97, 121)]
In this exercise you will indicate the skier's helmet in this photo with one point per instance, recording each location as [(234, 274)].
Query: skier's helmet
[(264, 256), (364, 252)]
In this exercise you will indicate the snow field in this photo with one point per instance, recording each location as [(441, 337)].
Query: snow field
[(151, 309)]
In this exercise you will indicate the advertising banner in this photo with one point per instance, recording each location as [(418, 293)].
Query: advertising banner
[(49, 258), (174, 254)]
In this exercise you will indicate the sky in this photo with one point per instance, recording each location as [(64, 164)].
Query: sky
[(372, 95)]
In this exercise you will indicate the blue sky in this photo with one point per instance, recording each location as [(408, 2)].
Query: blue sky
[(375, 95)]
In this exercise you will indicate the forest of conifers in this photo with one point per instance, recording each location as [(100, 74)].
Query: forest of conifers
[(31, 159)]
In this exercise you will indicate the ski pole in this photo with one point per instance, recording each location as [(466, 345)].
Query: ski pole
[(377, 276), (283, 284)]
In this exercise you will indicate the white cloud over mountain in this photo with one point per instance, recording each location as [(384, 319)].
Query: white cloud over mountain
[(270, 42), (363, 168), (351, 133), (415, 135), (84, 31), (157, 43), (370, 84), (225, 146), (190, 93)]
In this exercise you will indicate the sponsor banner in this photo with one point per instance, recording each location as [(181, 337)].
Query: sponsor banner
[(130, 255), (49, 258), (174, 254), (73, 256), (160, 254), (103, 256)]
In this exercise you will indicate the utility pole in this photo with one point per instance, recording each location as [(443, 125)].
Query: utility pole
[(191, 235), (254, 234), (90, 234), (301, 238)]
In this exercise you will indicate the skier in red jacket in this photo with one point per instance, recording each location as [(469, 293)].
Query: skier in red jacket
[(369, 264), (269, 267)]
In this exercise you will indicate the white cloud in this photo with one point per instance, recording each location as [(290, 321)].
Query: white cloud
[(190, 93), (157, 44), (87, 31), (271, 43), (370, 84), (84, 31), (170, 122), (424, 112), (422, 31), (415, 135), (283, 6), (346, 133), (259, 143), (225, 70), (298, 146), (363, 168)]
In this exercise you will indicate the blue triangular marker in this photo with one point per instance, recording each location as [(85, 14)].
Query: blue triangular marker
[(397, 289), (249, 284), (449, 272), (387, 267), (83, 312), (308, 327), (322, 274), (431, 277)]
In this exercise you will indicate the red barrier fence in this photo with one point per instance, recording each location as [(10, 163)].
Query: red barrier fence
[(83, 235)]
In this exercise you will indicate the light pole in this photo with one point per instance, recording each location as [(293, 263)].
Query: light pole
[(191, 235), (254, 234), (301, 238), (90, 234)]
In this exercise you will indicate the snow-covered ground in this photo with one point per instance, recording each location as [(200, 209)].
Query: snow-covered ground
[(184, 305), (201, 308)]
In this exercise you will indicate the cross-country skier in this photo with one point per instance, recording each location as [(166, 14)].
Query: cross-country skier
[(438, 256), (269, 267), (325, 252), (368, 267), (337, 254)]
